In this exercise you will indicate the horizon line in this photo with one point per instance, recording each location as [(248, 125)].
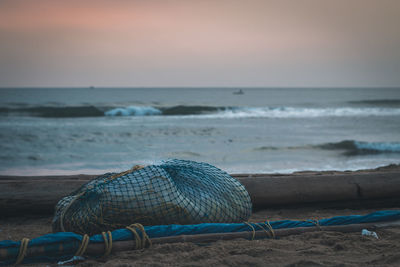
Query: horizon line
[(200, 87)]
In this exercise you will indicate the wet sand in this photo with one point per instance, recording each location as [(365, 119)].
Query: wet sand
[(308, 249)]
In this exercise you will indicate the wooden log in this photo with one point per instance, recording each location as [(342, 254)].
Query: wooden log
[(270, 191), (21, 195), (39, 195), (98, 249)]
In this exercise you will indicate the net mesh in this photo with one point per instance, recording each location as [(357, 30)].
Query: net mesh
[(174, 192)]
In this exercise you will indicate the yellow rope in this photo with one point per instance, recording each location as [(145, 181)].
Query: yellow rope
[(140, 242), (137, 237), (134, 168), (83, 246), (271, 229), (23, 248), (270, 233), (254, 230), (107, 243), (262, 228), (110, 242)]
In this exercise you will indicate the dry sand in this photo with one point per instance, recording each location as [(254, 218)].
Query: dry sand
[(308, 249)]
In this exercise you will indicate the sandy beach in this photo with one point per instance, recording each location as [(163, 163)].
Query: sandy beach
[(321, 248), (308, 249)]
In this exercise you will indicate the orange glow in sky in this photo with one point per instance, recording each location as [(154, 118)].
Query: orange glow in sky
[(200, 43)]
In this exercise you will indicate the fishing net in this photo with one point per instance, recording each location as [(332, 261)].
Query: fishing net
[(174, 192)]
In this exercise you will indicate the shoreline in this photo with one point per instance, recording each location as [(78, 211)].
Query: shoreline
[(15, 172), (64, 173)]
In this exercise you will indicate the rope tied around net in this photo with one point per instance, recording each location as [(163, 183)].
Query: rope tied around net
[(23, 249), (139, 242)]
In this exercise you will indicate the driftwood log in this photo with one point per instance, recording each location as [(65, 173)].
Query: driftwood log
[(381, 187)]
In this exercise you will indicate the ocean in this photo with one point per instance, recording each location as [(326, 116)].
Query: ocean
[(49, 131)]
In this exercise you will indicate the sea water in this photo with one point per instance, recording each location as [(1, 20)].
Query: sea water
[(269, 130)]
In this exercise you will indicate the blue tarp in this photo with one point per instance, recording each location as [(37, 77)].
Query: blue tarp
[(70, 241)]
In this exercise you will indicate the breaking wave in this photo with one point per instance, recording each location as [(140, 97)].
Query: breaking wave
[(196, 111), (350, 147), (357, 147), (133, 111), (292, 112)]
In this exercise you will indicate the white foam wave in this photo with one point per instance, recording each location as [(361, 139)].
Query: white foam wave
[(133, 111), (263, 112), (291, 112), (382, 147)]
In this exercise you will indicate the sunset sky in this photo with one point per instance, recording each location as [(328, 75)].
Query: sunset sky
[(200, 43)]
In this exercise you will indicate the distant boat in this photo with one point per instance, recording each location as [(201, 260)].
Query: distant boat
[(92, 87), (240, 92)]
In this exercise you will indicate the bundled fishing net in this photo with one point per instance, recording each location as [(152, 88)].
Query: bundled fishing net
[(175, 192)]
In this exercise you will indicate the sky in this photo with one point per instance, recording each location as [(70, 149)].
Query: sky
[(200, 43)]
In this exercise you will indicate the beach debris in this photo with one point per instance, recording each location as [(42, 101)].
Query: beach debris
[(365, 232), (174, 192), (72, 261)]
